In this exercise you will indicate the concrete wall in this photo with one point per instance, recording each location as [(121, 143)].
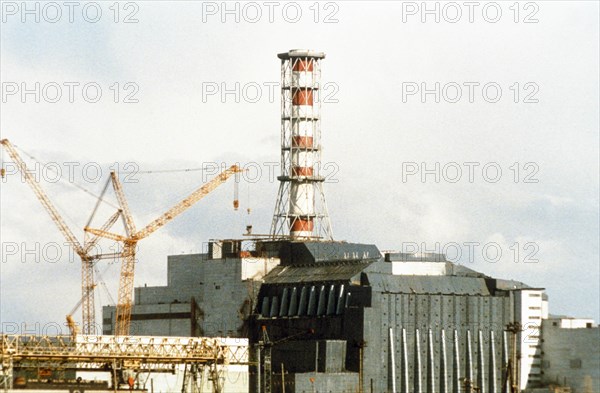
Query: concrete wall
[(185, 272), (323, 383), (154, 320), (222, 299), (571, 357), (224, 291), (156, 295), (464, 314)]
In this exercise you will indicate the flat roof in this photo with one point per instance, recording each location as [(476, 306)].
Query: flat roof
[(301, 53)]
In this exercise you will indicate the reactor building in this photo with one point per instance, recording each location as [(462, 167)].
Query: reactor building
[(332, 316)]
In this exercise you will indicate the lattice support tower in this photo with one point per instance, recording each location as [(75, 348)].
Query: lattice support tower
[(300, 210)]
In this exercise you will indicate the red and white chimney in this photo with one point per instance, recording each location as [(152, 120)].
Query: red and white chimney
[(301, 212)]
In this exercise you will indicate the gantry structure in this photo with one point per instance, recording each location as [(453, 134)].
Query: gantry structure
[(136, 354)]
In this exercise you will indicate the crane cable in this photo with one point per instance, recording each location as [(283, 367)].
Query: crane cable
[(236, 191), (99, 198), (198, 169), (169, 171), (103, 283), (249, 208)]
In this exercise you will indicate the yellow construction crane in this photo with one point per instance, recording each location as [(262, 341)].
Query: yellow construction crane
[(133, 236), (87, 260), (71, 324)]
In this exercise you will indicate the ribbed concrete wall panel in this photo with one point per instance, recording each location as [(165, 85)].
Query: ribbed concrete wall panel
[(435, 312)]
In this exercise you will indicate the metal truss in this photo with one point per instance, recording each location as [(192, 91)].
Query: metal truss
[(136, 353), (282, 218)]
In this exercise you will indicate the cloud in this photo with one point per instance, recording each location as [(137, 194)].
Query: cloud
[(369, 134)]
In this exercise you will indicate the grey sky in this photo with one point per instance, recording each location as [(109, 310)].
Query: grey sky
[(372, 133)]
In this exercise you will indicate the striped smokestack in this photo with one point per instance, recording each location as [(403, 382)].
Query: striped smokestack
[(300, 212)]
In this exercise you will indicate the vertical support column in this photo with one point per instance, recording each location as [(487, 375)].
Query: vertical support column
[(417, 364), (430, 363), (505, 363), (7, 377), (393, 361), (480, 364), (443, 364), (404, 367), (468, 365), (456, 382), (492, 364), (258, 367), (301, 211)]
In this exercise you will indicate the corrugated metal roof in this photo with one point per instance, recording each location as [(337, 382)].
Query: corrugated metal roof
[(428, 284), (321, 272)]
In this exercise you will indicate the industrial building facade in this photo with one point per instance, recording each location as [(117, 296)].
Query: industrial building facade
[(342, 314)]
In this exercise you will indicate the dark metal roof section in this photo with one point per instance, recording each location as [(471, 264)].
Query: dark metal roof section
[(463, 271), (323, 272), (312, 261), (511, 285), (314, 252), (446, 285)]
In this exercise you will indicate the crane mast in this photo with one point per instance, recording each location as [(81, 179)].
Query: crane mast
[(130, 241), (88, 292)]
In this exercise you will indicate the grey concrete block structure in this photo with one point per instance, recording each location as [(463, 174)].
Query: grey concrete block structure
[(204, 295), (571, 354)]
